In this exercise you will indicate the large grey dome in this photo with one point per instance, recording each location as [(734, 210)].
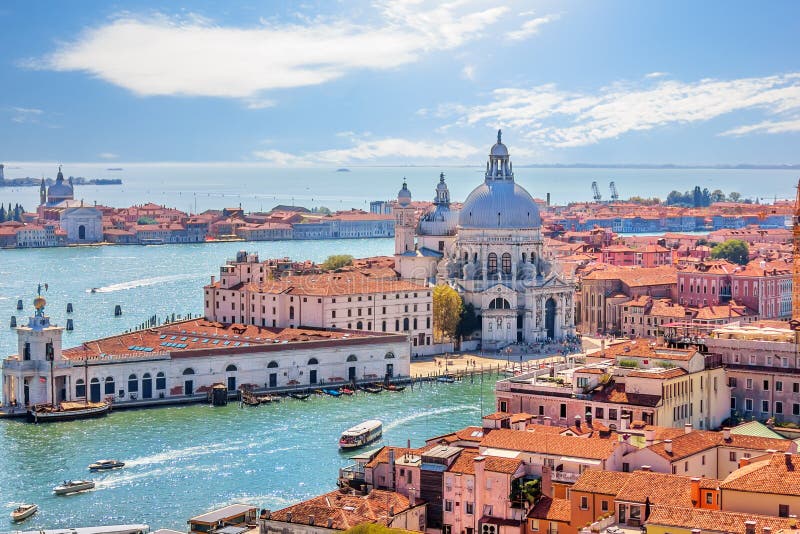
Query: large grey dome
[(499, 204)]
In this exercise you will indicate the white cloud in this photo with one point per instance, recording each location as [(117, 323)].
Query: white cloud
[(25, 115), (107, 155), (385, 151), (530, 27), (260, 103), (656, 74), (160, 55), (468, 72), (550, 116), (770, 127)]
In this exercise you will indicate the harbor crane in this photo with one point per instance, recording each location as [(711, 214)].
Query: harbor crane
[(596, 190), (614, 194)]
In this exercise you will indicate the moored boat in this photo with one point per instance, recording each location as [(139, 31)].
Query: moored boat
[(300, 396), (371, 389), (447, 379), (68, 411), (331, 392), (361, 434), (73, 486), (105, 465), (394, 387), (346, 391), (23, 512)]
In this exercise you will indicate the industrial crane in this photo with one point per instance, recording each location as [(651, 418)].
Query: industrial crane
[(596, 191), (614, 194)]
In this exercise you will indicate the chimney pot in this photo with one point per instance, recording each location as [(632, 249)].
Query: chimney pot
[(726, 433), (750, 527), (330, 522), (547, 421), (668, 446), (647, 468), (767, 530), (687, 428), (311, 520), (289, 517)]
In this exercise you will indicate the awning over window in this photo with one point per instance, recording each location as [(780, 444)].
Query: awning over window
[(584, 461), (502, 453)]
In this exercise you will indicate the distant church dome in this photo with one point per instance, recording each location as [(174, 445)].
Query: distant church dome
[(404, 195), (59, 191), (499, 202)]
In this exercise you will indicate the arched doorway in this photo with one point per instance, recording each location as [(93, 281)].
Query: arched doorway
[(272, 374), (231, 377), (188, 381), (550, 317), (94, 390), (312, 373), (81, 232), (147, 386)]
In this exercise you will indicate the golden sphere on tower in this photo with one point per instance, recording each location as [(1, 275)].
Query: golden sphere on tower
[(39, 302)]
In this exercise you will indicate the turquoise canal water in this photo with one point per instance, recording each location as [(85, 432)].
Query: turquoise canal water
[(182, 461)]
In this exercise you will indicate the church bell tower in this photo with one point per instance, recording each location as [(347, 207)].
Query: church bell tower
[(403, 222)]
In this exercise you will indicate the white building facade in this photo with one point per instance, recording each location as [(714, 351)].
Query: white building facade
[(491, 251), (83, 224), (186, 358)]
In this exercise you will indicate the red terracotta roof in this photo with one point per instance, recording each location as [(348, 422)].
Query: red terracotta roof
[(524, 441)]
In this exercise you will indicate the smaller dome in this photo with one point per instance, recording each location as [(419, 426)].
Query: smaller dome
[(404, 195), (499, 149)]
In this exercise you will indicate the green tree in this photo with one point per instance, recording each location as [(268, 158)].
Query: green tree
[(447, 307), (733, 250), (717, 196), (146, 220), (337, 261), (2, 213), (734, 196), (468, 322), (323, 210)]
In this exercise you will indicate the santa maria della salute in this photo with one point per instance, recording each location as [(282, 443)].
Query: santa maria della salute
[(491, 251)]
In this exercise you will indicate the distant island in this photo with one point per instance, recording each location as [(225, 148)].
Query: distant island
[(77, 180), (115, 169), (343, 169)]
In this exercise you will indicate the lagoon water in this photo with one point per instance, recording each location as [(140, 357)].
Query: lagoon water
[(257, 187), (182, 461)]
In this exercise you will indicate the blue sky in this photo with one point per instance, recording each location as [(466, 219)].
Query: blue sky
[(399, 82)]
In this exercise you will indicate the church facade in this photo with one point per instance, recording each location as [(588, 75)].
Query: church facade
[(491, 251)]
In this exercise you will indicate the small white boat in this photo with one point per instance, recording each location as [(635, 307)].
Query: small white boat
[(361, 434), (105, 529), (105, 465), (73, 486), (23, 512)]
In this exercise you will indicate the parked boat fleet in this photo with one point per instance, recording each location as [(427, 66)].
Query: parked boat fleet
[(251, 398)]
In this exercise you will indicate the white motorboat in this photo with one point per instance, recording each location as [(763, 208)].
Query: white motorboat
[(73, 486), (23, 512), (361, 434), (105, 465)]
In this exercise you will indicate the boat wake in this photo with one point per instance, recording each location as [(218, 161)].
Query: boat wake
[(182, 454), (143, 282), (438, 411)]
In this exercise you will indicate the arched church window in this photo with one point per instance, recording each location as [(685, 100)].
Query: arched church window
[(492, 264), (506, 263), (524, 257)]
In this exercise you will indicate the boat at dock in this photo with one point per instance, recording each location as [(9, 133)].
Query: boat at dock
[(393, 387), (68, 411), (23, 512), (69, 487), (105, 465), (105, 529), (446, 379), (346, 391), (332, 392), (372, 389), (300, 396), (362, 434)]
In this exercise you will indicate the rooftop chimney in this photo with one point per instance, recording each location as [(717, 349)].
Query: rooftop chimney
[(330, 522), (578, 422), (696, 491), (750, 527), (547, 421), (647, 468), (649, 436), (726, 433), (766, 530), (793, 521), (625, 421), (787, 456), (743, 462), (589, 417), (311, 520), (288, 517), (391, 510), (668, 446), (687, 428)]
